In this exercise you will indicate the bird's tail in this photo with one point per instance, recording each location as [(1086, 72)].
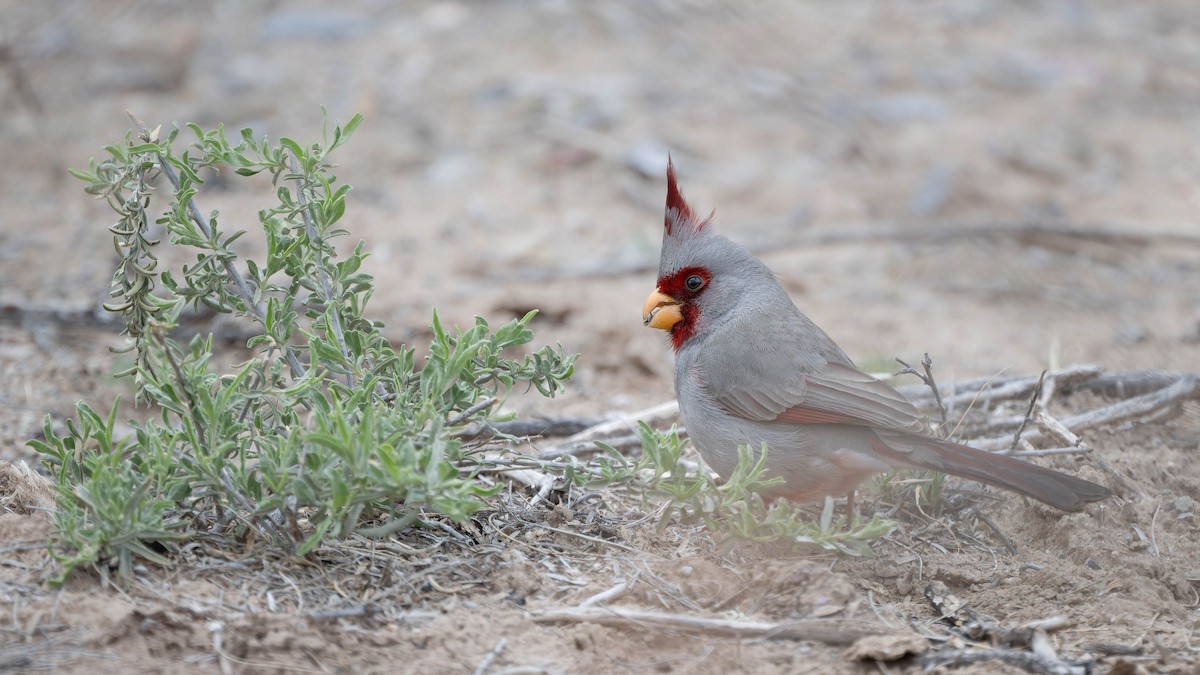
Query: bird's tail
[(1055, 488)]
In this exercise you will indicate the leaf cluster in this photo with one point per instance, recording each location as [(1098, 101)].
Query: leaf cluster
[(327, 429)]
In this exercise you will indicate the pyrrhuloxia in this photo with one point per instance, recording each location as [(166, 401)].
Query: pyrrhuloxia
[(751, 368)]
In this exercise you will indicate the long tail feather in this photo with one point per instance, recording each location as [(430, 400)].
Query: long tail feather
[(1055, 488)]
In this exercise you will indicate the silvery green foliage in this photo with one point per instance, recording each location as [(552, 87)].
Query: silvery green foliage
[(327, 430)]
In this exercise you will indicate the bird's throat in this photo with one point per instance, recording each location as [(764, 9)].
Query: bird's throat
[(685, 329)]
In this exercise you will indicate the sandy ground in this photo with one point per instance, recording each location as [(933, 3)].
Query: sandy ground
[(1007, 186)]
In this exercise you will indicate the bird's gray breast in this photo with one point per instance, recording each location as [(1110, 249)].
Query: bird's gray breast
[(716, 432)]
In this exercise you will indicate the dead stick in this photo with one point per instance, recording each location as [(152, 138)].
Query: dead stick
[(539, 480), (1008, 543), (1024, 635), (1037, 392), (1185, 388), (995, 388), (1056, 430), (1027, 661), (534, 426), (625, 423), (928, 379), (619, 443), (827, 631), (1129, 383), (606, 595), (1046, 452), (490, 657)]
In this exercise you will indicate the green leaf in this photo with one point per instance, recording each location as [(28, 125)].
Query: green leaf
[(293, 147), (343, 133)]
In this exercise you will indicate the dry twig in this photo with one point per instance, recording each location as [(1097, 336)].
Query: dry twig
[(1186, 387), (538, 480), (1027, 661), (997, 388), (490, 657), (827, 631), (1033, 401), (930, 382), (604, 596), (537, 426), (620, 443), (977, 626), (584, 441), (1126, 384)]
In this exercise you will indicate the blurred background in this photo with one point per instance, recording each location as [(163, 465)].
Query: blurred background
[(1005, 185)]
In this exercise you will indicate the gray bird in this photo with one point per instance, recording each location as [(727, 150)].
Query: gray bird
[(751, 368)]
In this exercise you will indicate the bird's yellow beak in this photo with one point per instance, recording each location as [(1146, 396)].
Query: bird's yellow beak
[(661, 311)]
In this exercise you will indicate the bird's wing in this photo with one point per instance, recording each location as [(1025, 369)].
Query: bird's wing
[(786, 383), (844, 394)]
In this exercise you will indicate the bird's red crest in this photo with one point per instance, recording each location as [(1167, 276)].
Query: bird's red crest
[(678, 211)]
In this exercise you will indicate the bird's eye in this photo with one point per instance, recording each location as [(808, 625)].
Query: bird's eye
[(694, 282)]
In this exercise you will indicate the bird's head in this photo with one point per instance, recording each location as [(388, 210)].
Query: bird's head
[(702, 276)]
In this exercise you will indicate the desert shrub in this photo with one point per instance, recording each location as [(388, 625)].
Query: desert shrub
[(328, 429)]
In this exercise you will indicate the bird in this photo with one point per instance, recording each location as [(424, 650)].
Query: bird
[(752, 369)]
